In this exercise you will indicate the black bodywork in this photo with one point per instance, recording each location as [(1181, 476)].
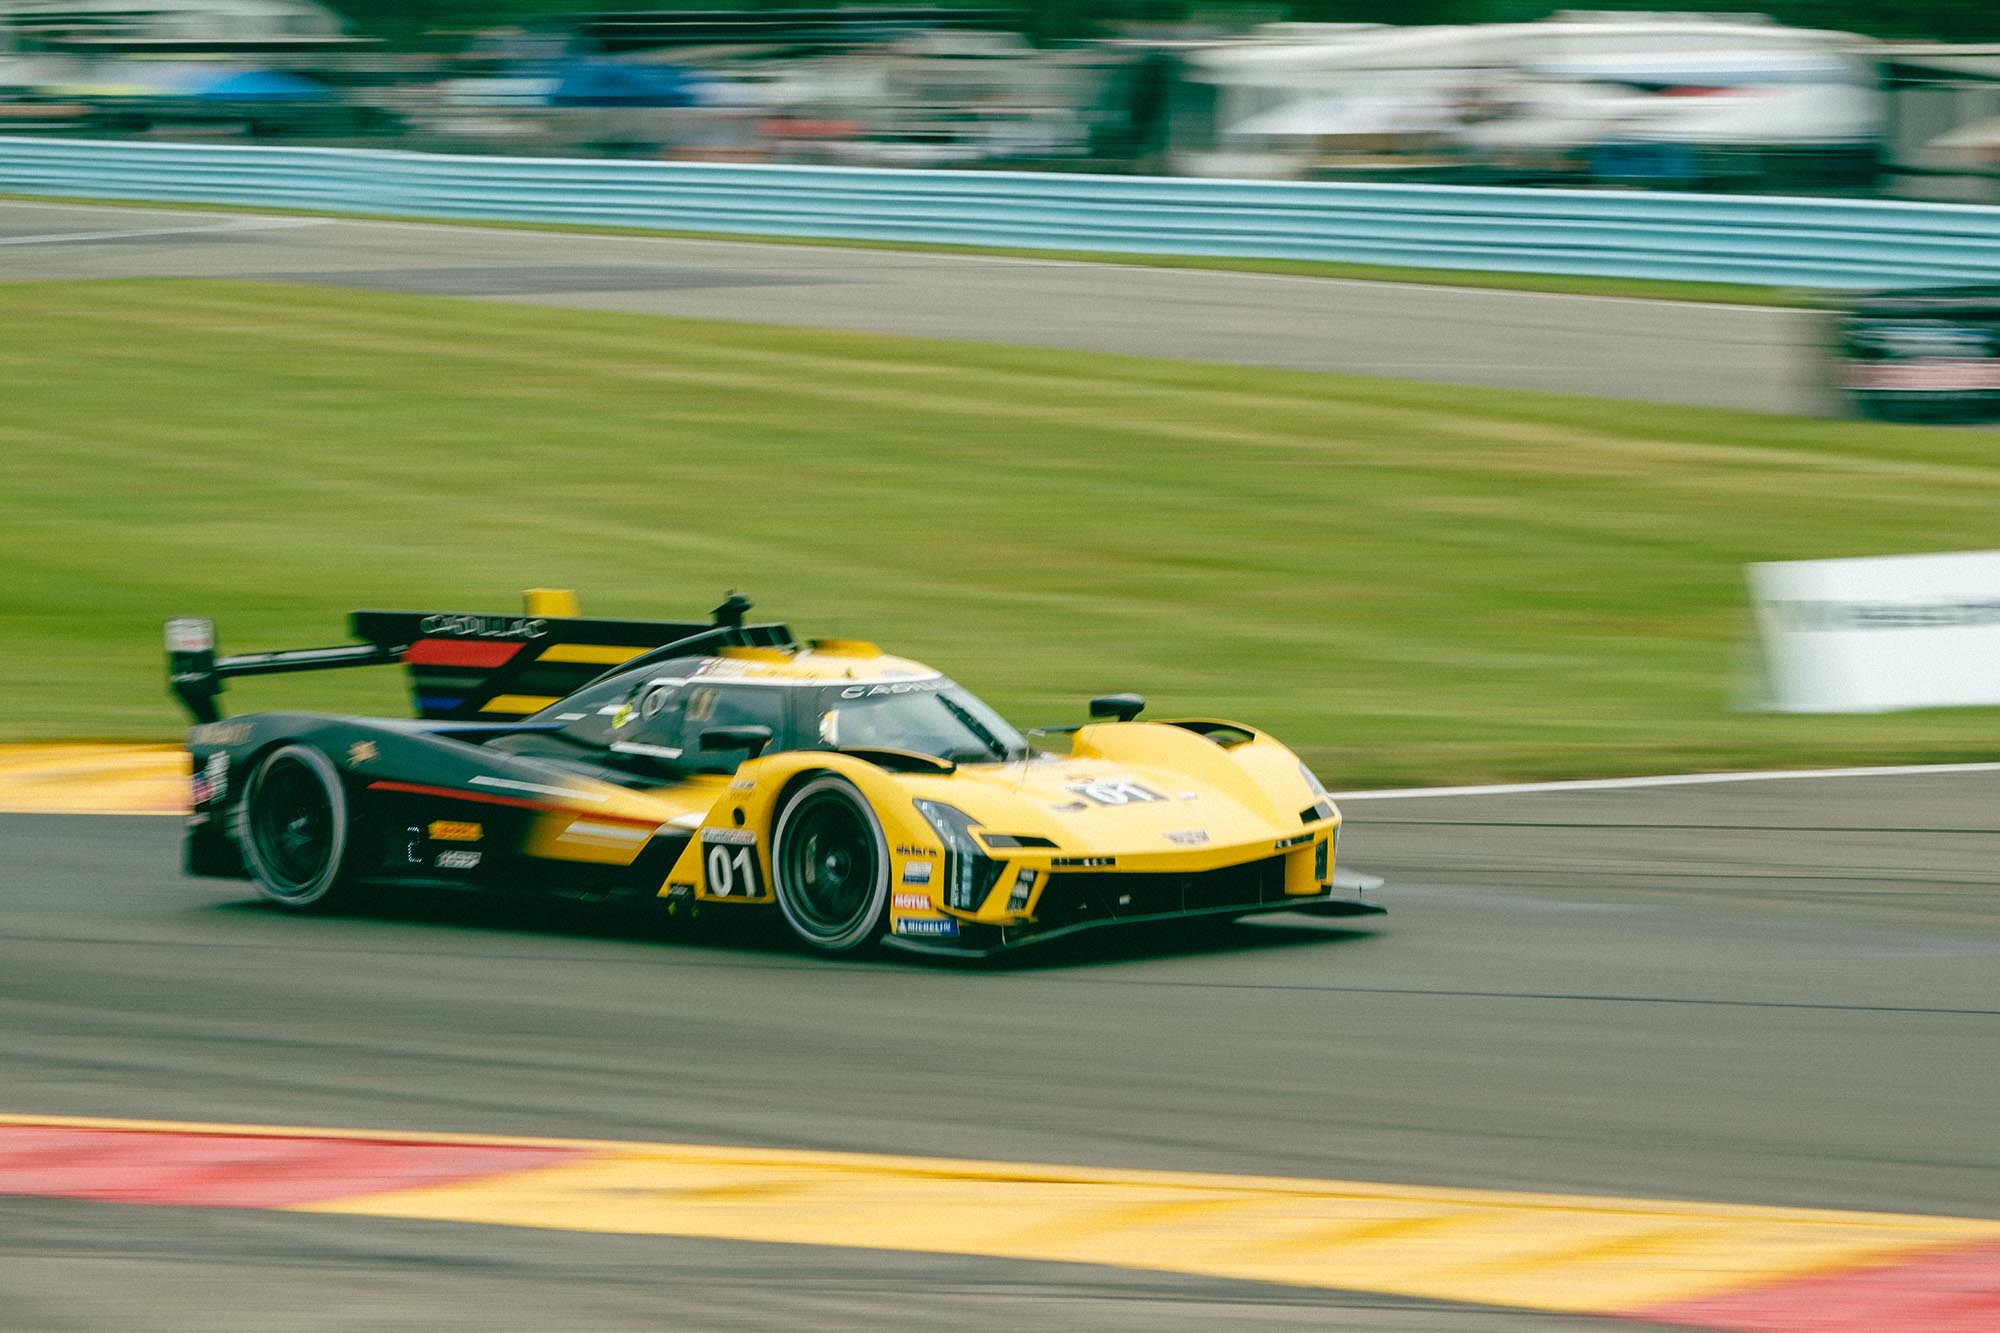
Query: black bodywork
[(450, 797)]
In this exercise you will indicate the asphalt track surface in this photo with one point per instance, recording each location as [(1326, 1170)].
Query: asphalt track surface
[(1782, 993), (1776, 992), (1710, 355)]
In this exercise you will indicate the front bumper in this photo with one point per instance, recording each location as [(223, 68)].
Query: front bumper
[(1146, 905)]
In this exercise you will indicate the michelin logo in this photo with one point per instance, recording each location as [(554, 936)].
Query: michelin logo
[(945, 926)]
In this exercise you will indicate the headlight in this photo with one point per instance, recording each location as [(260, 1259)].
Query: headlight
[(1322, 807), (969, 874)]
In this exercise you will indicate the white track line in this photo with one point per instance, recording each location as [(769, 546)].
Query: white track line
[(1668, 780), (247, 224)]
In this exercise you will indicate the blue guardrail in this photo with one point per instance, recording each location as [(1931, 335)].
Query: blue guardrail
[(1703, 238)]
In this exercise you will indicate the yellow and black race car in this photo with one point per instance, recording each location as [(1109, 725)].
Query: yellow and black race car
[(724, 766)]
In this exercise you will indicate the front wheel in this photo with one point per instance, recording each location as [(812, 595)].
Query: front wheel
[(294, 828), (830, 866)]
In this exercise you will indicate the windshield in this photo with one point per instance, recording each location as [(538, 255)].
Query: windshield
[(933, 717)]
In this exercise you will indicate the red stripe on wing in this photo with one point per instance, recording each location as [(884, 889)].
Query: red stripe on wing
[(460, 653)]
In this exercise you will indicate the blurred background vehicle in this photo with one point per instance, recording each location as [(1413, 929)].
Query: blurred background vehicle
[(1586, 99), (1613, 99), (1943, 138), (261, 69)]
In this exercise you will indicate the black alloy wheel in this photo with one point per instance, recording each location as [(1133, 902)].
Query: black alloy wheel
[(831, 866), (294, 828)]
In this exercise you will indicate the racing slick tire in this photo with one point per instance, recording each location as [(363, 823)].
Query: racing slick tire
[(830, 866), (294, 830)]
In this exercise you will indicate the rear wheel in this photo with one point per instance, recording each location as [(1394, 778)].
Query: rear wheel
[(830, 866), (294, 830)]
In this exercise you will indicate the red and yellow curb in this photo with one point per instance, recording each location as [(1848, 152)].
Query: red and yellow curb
[(93, 779), (1707, 1265)]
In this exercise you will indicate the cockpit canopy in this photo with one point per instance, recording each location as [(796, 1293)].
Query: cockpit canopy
[(660, 713)]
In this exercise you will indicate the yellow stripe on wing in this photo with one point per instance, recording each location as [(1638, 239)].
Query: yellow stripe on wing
[(522, 704), (596, 654)]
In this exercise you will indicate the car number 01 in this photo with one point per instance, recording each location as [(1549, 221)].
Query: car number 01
[(731, 867)]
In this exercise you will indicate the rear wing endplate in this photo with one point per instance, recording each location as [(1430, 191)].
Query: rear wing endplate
[(469, 666)]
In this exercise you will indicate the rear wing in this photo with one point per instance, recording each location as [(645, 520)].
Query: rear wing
[(470, 666)]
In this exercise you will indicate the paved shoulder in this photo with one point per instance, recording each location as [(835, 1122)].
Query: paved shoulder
[(1709, 355)]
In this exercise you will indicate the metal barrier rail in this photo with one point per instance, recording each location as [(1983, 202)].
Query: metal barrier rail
[(1704, 238)]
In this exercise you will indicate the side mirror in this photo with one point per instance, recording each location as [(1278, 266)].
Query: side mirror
[(753, 738), (1124, 707)]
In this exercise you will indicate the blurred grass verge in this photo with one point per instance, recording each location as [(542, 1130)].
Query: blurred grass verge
[(1655, 289), (1408, 582)]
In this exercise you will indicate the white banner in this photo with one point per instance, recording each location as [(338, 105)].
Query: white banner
[(1872, 635)]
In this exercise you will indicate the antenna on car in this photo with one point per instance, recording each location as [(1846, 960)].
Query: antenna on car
[(730, 614)]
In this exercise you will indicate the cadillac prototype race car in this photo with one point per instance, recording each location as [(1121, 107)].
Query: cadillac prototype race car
[(723, 766)]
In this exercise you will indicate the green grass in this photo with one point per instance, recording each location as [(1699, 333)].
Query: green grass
[(1407, 582), (1656, 289)]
